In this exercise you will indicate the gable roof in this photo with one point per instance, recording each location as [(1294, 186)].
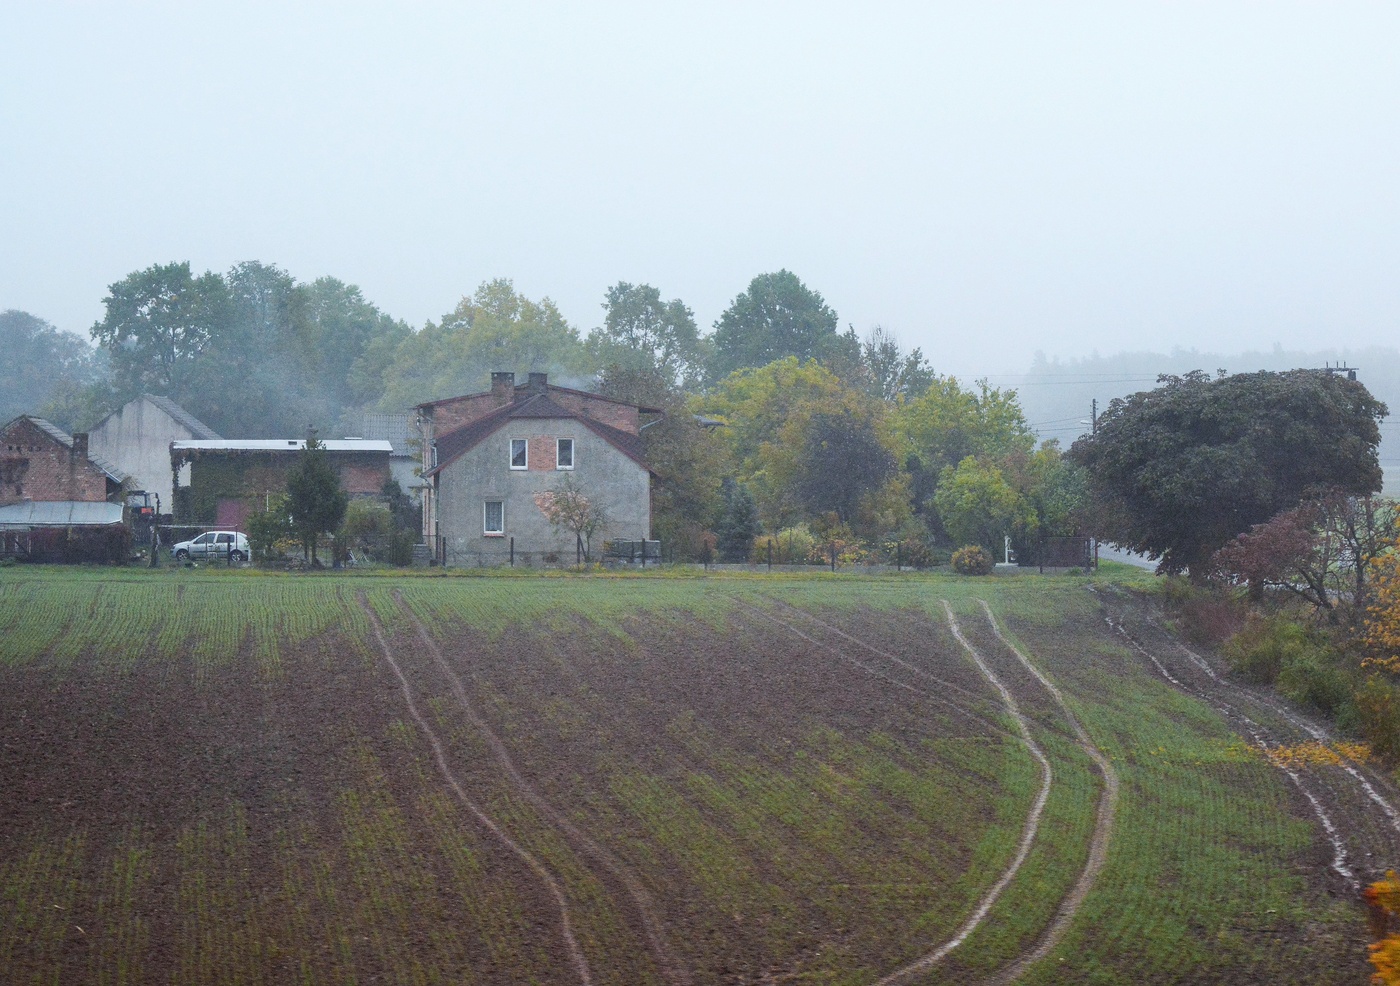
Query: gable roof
[(65, 439), (455, 444), (198, 429), (548, 387)]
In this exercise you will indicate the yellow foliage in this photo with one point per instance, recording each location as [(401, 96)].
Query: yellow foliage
[(1382, 634), (1384, 898), (1314, 754)]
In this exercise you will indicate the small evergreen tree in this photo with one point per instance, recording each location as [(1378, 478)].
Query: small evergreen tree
[(738, 526), (315, 500)]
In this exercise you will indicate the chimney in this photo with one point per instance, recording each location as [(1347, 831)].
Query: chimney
[(539, 383), (80, 445), (503, 386)]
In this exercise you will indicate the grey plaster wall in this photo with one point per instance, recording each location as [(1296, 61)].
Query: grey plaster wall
[(136, 439), (601, 472)]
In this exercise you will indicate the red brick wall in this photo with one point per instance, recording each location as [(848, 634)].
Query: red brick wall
[(542, 453), (36, 466), (363, 474), (621, 416)]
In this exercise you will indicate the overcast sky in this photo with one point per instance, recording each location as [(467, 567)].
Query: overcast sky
[(984, 179)]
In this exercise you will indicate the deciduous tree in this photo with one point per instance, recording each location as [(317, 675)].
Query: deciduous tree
[(1178, 471), (158, 323), (778, 316)]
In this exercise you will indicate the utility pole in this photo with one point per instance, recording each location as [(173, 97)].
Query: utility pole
[(1094, 416)]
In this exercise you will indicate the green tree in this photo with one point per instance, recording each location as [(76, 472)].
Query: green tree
[(687, 458), (738, 525), (315, 500), (946, 423), (978, 506), (841, 460), (778, 316), (495, 329), (158, 323), (38, 363), (1179, 471), (640, 332)]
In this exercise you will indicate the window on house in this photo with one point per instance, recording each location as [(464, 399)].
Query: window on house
[(494, 521), (564, 458), (519, 453)]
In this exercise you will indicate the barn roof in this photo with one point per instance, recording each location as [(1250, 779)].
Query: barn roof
[(59, 513)]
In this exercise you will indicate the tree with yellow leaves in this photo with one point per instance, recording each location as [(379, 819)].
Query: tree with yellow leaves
[(1383, 613), (1384, 898)]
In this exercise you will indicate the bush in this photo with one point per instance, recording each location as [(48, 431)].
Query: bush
[(1378, 709), (1260, 650), (791, 546), (1312, 680), (973, 560)]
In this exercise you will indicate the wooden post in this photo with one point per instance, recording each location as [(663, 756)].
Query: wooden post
[(770, 554), (512, 551), (833, 556)]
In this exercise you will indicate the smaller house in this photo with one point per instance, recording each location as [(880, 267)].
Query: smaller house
[(222, 482), (136, 439), (40, 461)]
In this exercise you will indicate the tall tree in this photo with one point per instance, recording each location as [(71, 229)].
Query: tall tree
[(1179, 471), (158, 323), (892, 373), (495, 329), (315, 499), (842, 459), (39, 364), (640, 331), (778, 316)]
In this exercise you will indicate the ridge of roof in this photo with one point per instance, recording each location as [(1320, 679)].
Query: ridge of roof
[(197, 428), (58, 434), (549, 386)]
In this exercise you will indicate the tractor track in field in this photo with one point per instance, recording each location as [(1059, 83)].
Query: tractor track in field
[(1030, 828), (647, 913), (1360, 822), (1104, 816), (551, 883), (1103, 822)]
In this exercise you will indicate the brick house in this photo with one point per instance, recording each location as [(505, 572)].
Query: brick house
[(222, 482), (136, 439), (41, 462), (489, 458)]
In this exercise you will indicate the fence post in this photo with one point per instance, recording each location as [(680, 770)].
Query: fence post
[(899, 556), (833, 556), (512, 551), (770, 554)]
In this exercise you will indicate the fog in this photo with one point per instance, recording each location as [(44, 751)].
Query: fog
[(985, 180)]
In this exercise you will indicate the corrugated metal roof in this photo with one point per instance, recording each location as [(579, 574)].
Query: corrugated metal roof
[(59, 513), (396, 428), (282, 445)]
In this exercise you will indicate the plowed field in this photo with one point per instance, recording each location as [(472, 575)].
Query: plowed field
[(238, 779)]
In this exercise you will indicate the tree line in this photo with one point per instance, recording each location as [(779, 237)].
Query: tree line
[(777, 421), (782, 431)]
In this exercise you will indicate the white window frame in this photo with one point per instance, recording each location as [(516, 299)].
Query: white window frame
[(485, 530), (525, 446), (559, 446)]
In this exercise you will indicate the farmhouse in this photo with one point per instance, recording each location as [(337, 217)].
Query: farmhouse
[(221, 482), (136, 439), (495, 461), (40, 461)]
